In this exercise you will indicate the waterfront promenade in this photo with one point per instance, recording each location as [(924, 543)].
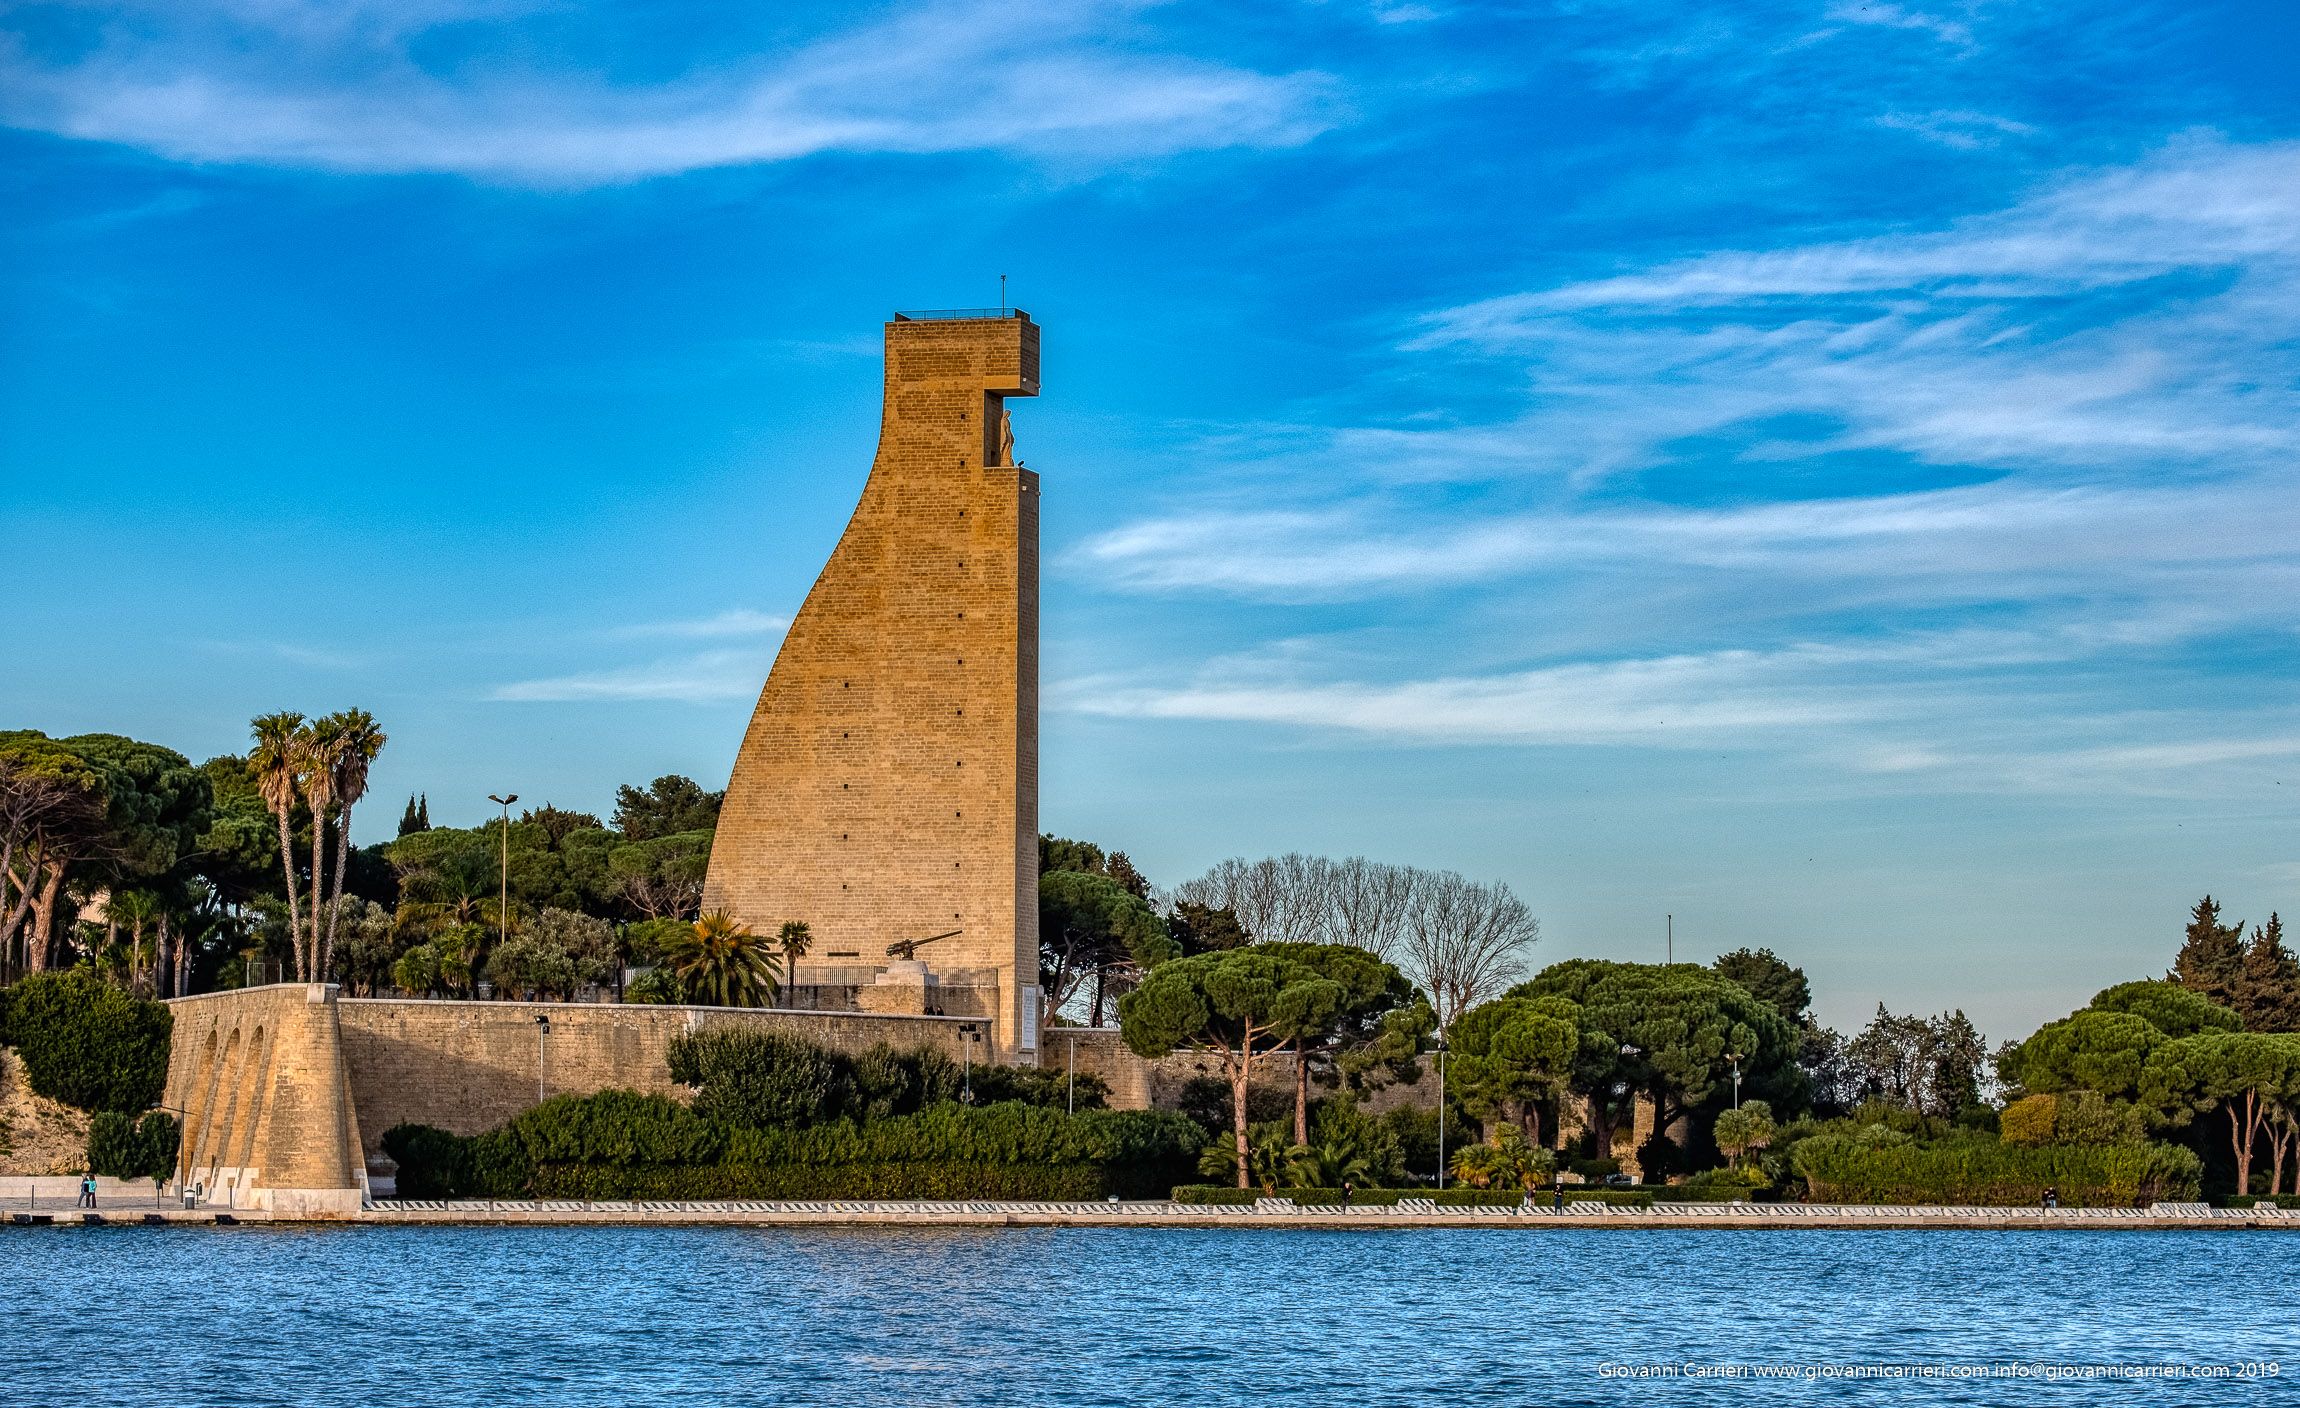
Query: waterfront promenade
[(1268, 1213)]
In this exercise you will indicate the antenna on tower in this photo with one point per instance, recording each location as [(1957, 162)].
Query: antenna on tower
[(1002, 293)]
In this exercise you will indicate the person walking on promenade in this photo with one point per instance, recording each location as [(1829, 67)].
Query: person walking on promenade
[(1557, 1196), (2051, 1198), (1346, 1191), (87, 1190)]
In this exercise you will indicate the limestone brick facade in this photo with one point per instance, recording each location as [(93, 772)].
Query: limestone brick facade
[(887, 786)]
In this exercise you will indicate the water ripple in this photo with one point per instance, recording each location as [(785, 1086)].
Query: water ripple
[(611, 1316)]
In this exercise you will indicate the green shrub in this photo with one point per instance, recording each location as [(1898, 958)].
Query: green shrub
[(125, 1147), (760, 1078), (615, 1127), (2028, 1122), (657, 987), (2265, 1200), (1214, 1194), (1615, 1197), (1989, 1173), (937, 1179), (766, 1079), (1038, 1085), (432, 1162), (90, 1044), (618, 1144)]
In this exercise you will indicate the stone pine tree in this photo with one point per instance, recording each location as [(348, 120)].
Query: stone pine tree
[(1239, 1006), (2211, 958), (2268, 982)]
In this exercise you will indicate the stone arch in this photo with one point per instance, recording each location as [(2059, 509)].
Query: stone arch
[(255, 1085), (197, 1100), (225, 1085)]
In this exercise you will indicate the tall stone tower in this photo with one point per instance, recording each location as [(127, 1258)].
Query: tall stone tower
[(887, 789)]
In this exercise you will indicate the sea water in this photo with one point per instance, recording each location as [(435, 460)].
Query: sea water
[(380, 1317)]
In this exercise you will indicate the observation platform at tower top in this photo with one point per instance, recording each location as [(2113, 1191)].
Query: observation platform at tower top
[(945, 315)]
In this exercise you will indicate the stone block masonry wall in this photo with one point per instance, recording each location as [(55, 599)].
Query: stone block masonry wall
[(887, 786), (467, 1067), (258, 1078)]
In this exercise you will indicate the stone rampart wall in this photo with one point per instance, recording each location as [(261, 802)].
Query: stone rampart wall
[(469, 1066)]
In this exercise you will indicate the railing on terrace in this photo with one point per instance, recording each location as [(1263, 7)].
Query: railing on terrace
[(929, 315)]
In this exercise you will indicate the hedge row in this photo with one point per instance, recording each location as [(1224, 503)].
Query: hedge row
[(622, 1144), (2265, 1200), (1986, 1173), (1220, 1195), (942, 1180)]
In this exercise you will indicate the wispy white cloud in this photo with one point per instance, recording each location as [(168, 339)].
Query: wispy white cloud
[(1692, 700), (739, 622), (1873, 12), (344, 87), (1973, 711), (707, 677), (1963, 130), (2000, 540)]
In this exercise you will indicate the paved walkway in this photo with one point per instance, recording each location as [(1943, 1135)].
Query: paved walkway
[(1269, 1212)]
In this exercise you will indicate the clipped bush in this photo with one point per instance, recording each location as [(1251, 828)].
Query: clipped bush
[(2265, 1200), (1474, 1197), (623, 1145), (767, 1079), (432, 1162), (615, 1127), (1615, 1197), (935, 1179), (1990, 1173), (1215, 1194), (89, 1044)]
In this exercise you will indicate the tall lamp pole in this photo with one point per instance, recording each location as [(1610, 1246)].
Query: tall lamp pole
[(503, 895), (542, 1030), (1441, 1111)]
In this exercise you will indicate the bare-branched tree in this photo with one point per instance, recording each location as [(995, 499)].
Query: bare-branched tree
[(1465, 941), (1459, 940)]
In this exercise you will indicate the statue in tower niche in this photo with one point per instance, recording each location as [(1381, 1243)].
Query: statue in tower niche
[(887, 788)]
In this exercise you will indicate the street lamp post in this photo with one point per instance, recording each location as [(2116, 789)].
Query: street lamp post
[(542, 1030), (1441, 1049), (503, 895), (1735, 1058), (966, 1033)]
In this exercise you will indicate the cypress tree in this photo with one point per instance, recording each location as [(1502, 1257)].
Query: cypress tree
[(417, 817), (2268, 991), (2211, 958)]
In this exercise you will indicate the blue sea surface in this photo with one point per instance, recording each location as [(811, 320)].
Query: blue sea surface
[(381, 1317)]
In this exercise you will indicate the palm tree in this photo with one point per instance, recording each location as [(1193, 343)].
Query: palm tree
[(316, 749), (135, 908), (796, 938), (358, 741), (275, 761), (721, 962)]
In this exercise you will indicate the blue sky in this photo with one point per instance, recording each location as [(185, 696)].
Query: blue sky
[(1823, 470)]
